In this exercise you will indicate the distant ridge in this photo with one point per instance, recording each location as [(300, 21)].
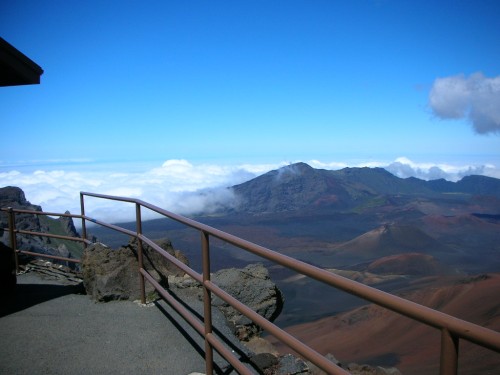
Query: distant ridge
[(299, 186)]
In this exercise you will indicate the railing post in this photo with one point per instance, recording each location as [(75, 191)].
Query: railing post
[(12, 236), (138, 220), (84, 227), (449, 353), (207, 303)]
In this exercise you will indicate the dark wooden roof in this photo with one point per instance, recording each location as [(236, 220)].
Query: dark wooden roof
[(16, 68)]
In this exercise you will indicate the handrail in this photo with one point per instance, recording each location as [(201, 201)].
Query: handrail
[(11, 212), (452, 329)]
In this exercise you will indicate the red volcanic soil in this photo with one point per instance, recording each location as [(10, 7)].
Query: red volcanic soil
[(389, 240), (376, 336), (407, 264), (456, 225)]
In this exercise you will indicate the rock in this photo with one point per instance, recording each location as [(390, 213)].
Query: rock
[(14, 197), (356, 369), (68, 225), (110, 274), (185, 284), (52, 271), (253, 287), (260, 345), (315, 370), (265, 362), (154, 260), (332, 359), (290, 365)]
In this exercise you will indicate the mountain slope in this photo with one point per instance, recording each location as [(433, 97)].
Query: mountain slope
[(373, 335), (294, 187), (408, 264), (389, 239), (301, 187)]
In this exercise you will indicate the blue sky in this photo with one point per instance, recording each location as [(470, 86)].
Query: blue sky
[(238, 87)]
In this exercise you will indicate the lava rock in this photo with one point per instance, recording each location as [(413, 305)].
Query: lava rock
[(253, 287), (113, 274)]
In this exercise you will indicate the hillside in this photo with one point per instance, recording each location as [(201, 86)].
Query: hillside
[(414, 264), (344, 217), (373, 335), (385, 241), (14, 197)]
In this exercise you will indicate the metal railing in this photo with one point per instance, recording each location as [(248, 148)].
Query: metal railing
[(452, 329), (11, 214)]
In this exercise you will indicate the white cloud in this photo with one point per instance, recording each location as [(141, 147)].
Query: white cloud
[(183, 187), (176, 185), (475, 98), (404, 168)]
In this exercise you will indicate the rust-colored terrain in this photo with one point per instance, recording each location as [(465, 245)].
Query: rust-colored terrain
[(371, 334)]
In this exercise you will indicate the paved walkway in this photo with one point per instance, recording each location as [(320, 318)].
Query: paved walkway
[(55, 329)]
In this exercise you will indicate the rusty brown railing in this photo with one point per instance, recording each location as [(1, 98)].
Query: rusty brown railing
[(11, 214), (452, 329)]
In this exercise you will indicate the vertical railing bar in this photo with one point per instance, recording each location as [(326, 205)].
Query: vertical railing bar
[(84, 226), (12, 236), (449, 353), (207, 302), (139, 251)]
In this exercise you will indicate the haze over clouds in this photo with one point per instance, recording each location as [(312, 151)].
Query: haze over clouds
[(475, 98), (183, 187)]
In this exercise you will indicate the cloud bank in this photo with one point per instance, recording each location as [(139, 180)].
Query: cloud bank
[(404, 168), (176, 185), (475, 98), (182, 187)]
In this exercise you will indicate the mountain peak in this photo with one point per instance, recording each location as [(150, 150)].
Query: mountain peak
[(297, 168)]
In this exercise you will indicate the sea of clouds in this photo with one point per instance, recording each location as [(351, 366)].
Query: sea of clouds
[(180, 186)]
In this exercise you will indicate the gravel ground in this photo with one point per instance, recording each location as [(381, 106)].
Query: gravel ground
[(50, 328)]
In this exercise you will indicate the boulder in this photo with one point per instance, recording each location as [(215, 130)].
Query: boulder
[(253, 287), (113, 274), (110, 274), (153, 260), (291, 365)]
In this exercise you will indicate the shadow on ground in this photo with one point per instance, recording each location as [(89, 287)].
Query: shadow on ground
[(27, 295)]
